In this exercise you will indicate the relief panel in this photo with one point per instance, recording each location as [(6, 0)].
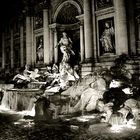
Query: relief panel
[(101, 4)]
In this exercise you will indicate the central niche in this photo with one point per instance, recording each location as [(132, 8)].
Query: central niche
[(68, 23), (67, 15)]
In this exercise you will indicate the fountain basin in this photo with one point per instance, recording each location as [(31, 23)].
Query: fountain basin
[(36, 85), (20, 99), (6, 86)]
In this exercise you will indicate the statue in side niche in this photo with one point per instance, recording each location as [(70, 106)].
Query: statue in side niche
[(40, 51), (107, 39)]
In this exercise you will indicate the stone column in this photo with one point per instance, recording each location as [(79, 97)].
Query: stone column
[(138, 34), (82, 46), (51, 54), (55, 48), (88, 30), (132, 39), (12, 51), (46, 36), (28, 40), (138, 23), (33, 43), (21, 46), (94, 31), (82, 41), (3, 50), (121, 27)]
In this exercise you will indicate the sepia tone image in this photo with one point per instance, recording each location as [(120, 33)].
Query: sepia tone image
[(70, 70)]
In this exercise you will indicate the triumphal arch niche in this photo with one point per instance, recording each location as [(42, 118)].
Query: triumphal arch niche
[(65, 20)]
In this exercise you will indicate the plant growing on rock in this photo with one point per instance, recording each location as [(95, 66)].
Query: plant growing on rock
[(119, 69)]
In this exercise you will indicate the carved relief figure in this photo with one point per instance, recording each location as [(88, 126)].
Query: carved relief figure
[(103, 3), (107, 39)]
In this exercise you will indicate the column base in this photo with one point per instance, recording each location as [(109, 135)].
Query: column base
[(138, 49), (86, 68), (88, 60)]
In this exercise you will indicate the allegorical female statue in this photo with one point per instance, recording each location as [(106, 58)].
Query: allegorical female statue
[(107, 39), (65, 44)]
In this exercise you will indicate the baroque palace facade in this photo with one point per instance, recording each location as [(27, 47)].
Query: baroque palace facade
[(100, 30)]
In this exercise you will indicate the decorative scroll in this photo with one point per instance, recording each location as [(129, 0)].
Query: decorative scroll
[(106, 36), (100, 4)]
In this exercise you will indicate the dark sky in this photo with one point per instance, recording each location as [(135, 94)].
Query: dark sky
[(10, 8)]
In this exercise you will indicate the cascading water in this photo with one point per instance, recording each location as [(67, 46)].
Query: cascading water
[(19, 99), (9, 100)]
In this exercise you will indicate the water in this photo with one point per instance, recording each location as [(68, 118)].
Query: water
[(19, 100)]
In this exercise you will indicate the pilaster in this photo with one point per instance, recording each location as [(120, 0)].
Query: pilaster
[(29, 39), (46, 36), (88, 30), (138, 35), (121, 27), (21, 46), (132, 38), (55, 48), (12, 51), (51, 54), (82, 41), (3, 50)]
